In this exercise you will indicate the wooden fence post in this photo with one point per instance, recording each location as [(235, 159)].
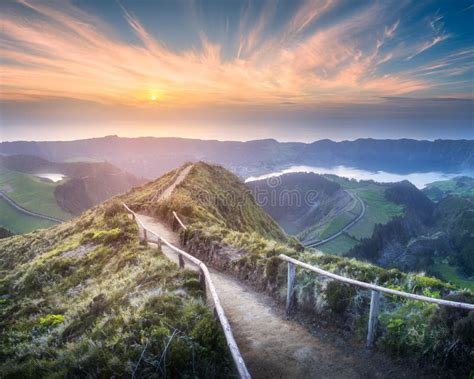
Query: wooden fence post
[(145, 237), (202, 282), (181, 261), (290, 287), (374, 310)]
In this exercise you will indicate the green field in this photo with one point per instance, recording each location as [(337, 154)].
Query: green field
[(448, 273), (20, 223), (31, 192), (338, 245), (335, 225), (460, 186), (377, 211)]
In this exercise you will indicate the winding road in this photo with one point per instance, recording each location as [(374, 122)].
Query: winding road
[(345, 228), (27, 212)]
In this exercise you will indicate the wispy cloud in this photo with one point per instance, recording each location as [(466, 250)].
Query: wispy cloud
[(68, 53), (428, 45)]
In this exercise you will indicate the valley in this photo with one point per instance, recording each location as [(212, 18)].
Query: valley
[(56, 190)]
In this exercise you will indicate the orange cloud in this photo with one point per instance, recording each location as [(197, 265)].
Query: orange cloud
[(67, 53)]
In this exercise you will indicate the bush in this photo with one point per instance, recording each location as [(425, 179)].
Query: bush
[(50, 321), (339, 296), (113, 208)]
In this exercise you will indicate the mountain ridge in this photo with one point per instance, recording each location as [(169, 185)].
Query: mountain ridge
[(154, 156)]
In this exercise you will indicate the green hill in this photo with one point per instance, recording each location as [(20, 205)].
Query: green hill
[(87, 299), (210, 196), (299, 202), (237, 237), (24, 179), (462, 186)]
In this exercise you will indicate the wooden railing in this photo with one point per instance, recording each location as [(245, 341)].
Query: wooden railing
[(375, 296), (207, 284)]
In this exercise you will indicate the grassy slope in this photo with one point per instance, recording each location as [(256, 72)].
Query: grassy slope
[(211, 195), (212, 224), (85, 298), (378, 211), (449, 273), (339, 245), (31, 192), (461, 186), (20, 223)]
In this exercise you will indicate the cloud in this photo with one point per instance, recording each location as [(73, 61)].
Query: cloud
[(428, 45), (63, 52), (389, 32)]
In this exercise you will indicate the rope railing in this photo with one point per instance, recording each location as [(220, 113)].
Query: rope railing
[(207, 283), (375, 295)]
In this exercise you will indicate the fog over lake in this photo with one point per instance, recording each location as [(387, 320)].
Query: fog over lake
[(54, 177), (419, 179)]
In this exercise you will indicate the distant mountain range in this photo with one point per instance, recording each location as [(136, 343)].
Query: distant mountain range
[(150, 157)]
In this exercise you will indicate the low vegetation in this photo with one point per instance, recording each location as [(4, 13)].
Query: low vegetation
[(85, 184), (31, 192), (462, 186), (19, 223), (232, 240), (87, 299)]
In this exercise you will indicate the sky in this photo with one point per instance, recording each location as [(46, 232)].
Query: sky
[(237, 70)]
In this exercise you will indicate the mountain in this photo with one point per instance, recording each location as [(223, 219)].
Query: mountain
[(209, 195), (228, 230), (436, 237), (462, 186), (299, 201), (150, 157), (87, 299), (26, 181)]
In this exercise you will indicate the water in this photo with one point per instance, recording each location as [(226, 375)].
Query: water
[(54, 177), (419, 179)]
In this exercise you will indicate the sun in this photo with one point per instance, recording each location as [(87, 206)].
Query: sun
[(154, 97)]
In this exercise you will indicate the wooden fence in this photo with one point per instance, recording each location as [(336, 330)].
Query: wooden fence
[(209, 288), (375, 295)]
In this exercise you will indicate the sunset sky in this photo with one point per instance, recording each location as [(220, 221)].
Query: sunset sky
[(289, 70)]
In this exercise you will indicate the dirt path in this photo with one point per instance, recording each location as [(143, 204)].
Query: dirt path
[(178, 180), (274, 347)]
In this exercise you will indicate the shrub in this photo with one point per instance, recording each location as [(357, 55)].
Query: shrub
[(50, 320), (339, 296), (113, 208)]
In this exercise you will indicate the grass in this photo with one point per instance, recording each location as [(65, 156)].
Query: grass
[(339, 245), (335, 225), (210, 195), (449, 274), (32, 193), (87, 299), (20, 223), (420, 330), (460, 186), (378, 211)]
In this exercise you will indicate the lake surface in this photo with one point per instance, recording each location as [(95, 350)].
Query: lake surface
[(419, 179), (54, 177)]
